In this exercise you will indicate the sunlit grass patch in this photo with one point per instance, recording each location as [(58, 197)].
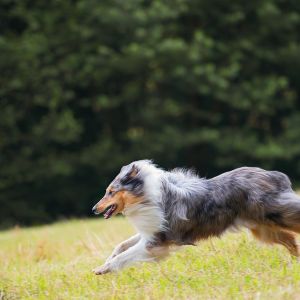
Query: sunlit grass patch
[(55, 262)]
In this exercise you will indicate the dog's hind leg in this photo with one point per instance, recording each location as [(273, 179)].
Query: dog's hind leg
[(274, 235)]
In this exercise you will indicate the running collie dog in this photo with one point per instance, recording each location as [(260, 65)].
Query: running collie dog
[(179, 208)]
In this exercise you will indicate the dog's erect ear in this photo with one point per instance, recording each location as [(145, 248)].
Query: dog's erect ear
[(133, 171), (130, 175)]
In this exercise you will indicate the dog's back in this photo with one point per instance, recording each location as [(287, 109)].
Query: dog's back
[(253, 180)]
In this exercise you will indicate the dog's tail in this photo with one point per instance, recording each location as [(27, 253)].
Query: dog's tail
[(285, 211)]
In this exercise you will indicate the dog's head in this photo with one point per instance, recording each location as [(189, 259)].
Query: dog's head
[(125, 190)]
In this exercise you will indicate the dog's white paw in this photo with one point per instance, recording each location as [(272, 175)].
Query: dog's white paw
[(102, 269)]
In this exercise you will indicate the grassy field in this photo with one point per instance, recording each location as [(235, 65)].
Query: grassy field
[(55, 262)]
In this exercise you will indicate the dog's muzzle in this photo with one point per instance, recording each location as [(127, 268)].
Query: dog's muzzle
[(95, 210)]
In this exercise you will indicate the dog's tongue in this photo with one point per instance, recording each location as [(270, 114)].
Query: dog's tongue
[(108, 214)]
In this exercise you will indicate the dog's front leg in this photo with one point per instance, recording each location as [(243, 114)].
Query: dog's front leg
[(139, 252), (124, 246)]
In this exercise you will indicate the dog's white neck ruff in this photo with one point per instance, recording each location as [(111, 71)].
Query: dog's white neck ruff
[(147, 217)]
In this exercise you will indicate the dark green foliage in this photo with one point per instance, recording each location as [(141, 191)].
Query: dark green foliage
[(87, 86)]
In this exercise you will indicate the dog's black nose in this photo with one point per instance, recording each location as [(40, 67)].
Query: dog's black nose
[(94, 209)]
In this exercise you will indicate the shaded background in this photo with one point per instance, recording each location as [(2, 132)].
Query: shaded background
[(87, 86)]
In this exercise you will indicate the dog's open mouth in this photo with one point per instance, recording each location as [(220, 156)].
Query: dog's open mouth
[(109, 211)]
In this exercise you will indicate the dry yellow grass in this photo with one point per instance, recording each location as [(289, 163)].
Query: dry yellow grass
[(55, 262)]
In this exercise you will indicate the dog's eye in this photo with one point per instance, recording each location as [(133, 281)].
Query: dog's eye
[(110, 193)]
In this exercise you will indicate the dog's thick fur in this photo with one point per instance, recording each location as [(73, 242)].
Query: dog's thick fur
[(179, 208)]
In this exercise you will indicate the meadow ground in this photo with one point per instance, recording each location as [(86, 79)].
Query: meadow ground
[(55, 262)]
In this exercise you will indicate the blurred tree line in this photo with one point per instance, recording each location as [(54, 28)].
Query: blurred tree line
[(87, 86)]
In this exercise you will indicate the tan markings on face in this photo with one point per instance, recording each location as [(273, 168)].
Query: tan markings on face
[(129, 199), (122, 199)]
